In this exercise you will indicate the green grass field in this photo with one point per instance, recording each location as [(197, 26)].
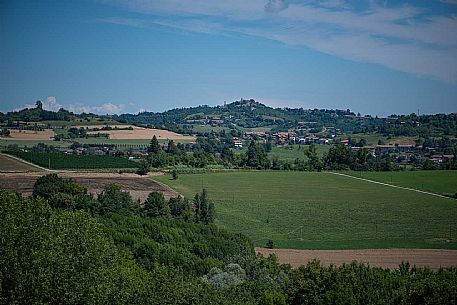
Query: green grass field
[(307, 210), (373, 138), (30, 143), (440, 182)]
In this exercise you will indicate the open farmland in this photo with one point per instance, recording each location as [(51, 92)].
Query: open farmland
[(307, 210), (383, 258), (143, 133), (25, 135), (438, 181), (10, 164), (69, 161), (29, 143), (138, 186)]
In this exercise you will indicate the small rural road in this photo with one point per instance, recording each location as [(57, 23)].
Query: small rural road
[(390, 185), (384, 258)]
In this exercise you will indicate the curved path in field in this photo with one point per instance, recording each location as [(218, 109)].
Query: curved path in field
[(384, 258), (390, 185)]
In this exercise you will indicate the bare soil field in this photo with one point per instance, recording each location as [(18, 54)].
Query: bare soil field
[(139, 133), (9, 164), (384, 258), (46, 134), (138, 186)]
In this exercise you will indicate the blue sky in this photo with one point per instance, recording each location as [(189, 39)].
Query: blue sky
[(115, 56)]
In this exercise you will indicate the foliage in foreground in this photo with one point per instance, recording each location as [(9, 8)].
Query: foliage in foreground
[(61, 256)]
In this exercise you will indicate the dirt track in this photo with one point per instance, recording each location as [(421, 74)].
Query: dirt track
[(138, 186), (385, 258)]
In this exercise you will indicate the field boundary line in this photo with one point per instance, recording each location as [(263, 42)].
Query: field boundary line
[(166, 186), (391, 185), (27, 162)]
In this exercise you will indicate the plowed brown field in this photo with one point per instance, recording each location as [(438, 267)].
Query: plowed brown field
[(385, 258), (138, 186)]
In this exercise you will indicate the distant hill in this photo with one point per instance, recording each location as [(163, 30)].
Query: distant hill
[(250, 114)]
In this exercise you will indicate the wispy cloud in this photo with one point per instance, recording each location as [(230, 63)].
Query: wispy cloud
[(402, 37)]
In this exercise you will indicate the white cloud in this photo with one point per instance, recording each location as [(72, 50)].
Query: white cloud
[(403, 37), (51, 104), (106, 108)]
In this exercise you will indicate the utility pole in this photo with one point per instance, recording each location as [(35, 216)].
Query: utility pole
[(49, 163), (301, 232)]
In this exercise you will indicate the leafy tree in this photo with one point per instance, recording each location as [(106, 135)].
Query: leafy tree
[(113, 200), (204, 208), (428, 165), (62, 192), (60, 257), (144, 167), (256, 156), (232, 275), (154, 146), (174, 174), (273, 298), (338, 157), (172, 148), (314, 162), (155, 205), (179, 208)]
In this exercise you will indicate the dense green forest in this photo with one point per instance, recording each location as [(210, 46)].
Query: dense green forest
[(63, 246)]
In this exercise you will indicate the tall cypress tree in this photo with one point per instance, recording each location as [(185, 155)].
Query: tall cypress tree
[(154, 146)]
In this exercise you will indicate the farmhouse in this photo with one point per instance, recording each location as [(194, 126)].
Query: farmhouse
[(323, 141), (384, 148), (405, 148), (238, 144)]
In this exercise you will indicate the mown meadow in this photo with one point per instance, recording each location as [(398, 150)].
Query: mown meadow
[(311, 210), (435, 181)]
